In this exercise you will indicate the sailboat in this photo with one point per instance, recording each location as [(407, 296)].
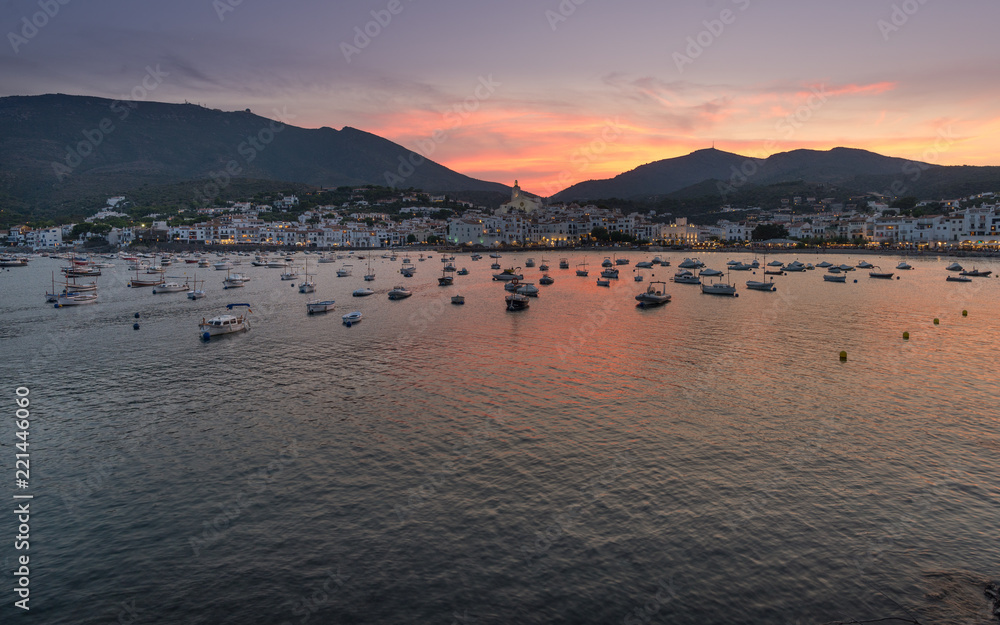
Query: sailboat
[(445, 279), (308, 286), (720, 288), (370, 276), (195, 292), (137, 281), (765, 285)]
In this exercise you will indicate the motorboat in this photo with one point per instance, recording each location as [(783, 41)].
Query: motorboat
[(954, 267), (13, 261), (203, 262), (637, 277), (508, 274), (882, 275), (544, 266), (865, 265), (761, 285), (530, 262), (976, 273), (834, 269), (495, 255), (581, 269), (644, 264), (709, 272), (363, 292), (824, 264), (686, 277), (516, 301), (457, 299), (170, 287), (776, 263), (344, 271), (476, 256), (450, 266), (795, 266), (400, 292), (610, 272), (844, 267), (289, 274), (276, 264), (316, 306), (495, 266), (446, 280), (563, 263), (903, 265), (234, 281), (351, 318), (528, 289), (719, 288), (603, 282), (546, 279), (655, 295), (222, 265), (225, 324), (740, 267), (463, 272), (691, 263), (407, 269), (307, 287), (607, 262), (958, 278), (622, 261), (838, 277)]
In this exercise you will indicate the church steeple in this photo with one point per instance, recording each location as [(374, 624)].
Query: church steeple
[(515, 192)]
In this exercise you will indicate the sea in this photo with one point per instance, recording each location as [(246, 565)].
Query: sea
[(781, 457)]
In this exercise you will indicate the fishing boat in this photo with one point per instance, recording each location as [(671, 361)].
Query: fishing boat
[(351, 318), (170, 287), (516, 301), (13, 261), (564, 263), (581, 269), (795, 266), (400, 292), (225, 323), (524, 288), (138, 282), (307, 285), (75, 298), (363, 292), (655, 295), (976, 273), (959, 278), (686, 277), (407, 269), (290, 273), (834, 277), (233, 281), (369, 275), (317, 306), (691, 263), (476, 256), (223, 265), (195, 292), (882, 275), (458, 299), (546, 279), (761, 285)]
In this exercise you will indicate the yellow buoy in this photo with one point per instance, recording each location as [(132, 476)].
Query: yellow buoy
[(965, 313), (843, 355), (906, 336), (936, 321)]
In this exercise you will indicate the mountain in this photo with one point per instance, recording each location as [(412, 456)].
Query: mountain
[(714, 172), (57, 148)]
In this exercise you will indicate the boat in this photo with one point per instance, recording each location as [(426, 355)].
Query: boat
[(319, 305), (400, 292), (170, 287), (563, 263), (644, 264), (527, 288), (719, 288), (603, 282), (691, 263), (976, 273), (307, 285), (138, 282), (824, 264), (776, 263), (457, 299), (529, 262), (369, 275), (75, 298), (326, 258), (463, 271), (203, 262), (834, 270), (838, 277), (610, 272), (195, 292), (903, 265), (508, 274), (865, 265), (708, 272), (351, 318), (289, 273), (686, 277), (581, 269), (13, 261), (882, 275), (276, 264), (344, 271), (654, 295), (795, 266), (954, 267), (622, 261), (959, 278), (845, 267), (738, 266), (407, 269), (516, 301), (225, 324), (450, 266), (546, 279), (223, 265), (607, 262), (495, 255), (495, 266), (446, 280), (761, 285), (363, 292), (476, 256), (544, 266), (234, 281)]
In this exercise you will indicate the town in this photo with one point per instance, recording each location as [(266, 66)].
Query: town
[(377, 217)]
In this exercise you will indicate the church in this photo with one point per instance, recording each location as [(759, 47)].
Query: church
[(520, 202)]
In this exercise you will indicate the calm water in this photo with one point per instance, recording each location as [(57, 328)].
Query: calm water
[(583, 461)]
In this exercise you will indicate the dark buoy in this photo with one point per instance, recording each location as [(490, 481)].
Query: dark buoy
[(135, 326), (736, 294), (906, 336), (348, 324), (965, 313), (136, 315), (936, 321), (206, 336), (293, 286), (843, 356), (56, 305), (897, 277), (855, 282)]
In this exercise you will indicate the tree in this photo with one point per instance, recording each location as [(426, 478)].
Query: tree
[(600, 233), (763, 232), (411, 238), (906, 203)]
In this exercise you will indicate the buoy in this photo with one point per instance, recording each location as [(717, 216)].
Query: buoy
[(736, 294), (936, 321), (855, 282), (135, 326), (206, 336), (136, 315), (965, 313), (843, 355), (897, 277), (293, 286), (906, 336), (56, 305), (348, 324)]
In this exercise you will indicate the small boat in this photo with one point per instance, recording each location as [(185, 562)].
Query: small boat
[(846, 268), (316, 306), (223, 265), (758, 285), (450, 266), (581, 269), (307, 287), (370, 276), (563, 263), (529, 262), (225, 324), (958, 278), (463, 271), (400, 292), (170, 287), (903, 265), (686, 277), (344, 271), (865, 265), (13, 261), (457, 299), (544, 266), (407, 269), (526, 288), (834, 270), (289, 274), (610, 272), (516, 301), (976, 273), (719, 288), (195, 292), (546, 279), (691, 263), (644, 264), (954, 267), (351, 318), (839, 277), (776, 263), (824, 264), (738, 266), (654, 295), (495, 266), (446, 280), (363, 292), (882, 275), (75, 298), (203, 262), (708, 272), (508, 274), (476, 256), (622, 261), (795, 266), (234, 281), (276, 264), (607, 262), (603, 282), (495, 255)]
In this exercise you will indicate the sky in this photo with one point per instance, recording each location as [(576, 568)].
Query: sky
[(548, 92)]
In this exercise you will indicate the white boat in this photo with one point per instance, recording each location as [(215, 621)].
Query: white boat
[(400, 292), (976, 273), (738, 266), (363, 292), (795, 266), (508, 274), (223, 265), (370, 275), (776, 263), (75, 298), (710, 272), (691, 263), (233, 281), (345, 271), (719, 288), (686, 277), (170, 287), (225, 324), (954, 267), (834, 277), (903, 265), (195, 292), (316, 306), (528, 289), (758, 285), (203, 262), (351, 318), (609, 272), (307, 287), (644, 264), (655, 295), (290, 273)]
